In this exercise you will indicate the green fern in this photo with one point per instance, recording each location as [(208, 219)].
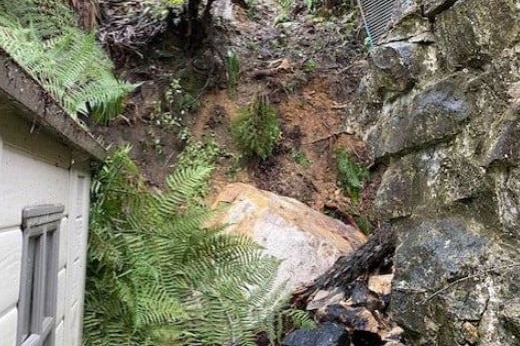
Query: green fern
[(233, 70), (349, 174), (156, 276), (43, 37), (257, 128)]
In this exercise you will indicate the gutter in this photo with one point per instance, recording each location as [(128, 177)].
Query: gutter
[(41, 109)]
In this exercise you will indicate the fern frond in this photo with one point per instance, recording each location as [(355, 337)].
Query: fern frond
[(43, 37), (165, 276), (257, 128)]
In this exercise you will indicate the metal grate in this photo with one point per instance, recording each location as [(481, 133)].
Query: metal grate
[(377, 15)]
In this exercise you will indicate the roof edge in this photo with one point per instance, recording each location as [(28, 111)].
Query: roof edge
[(41, 108)]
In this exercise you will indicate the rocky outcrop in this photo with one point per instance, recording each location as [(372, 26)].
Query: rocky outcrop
[(307, 242), (442, 111)]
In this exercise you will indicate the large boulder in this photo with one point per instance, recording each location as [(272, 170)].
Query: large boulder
[(307, 241)]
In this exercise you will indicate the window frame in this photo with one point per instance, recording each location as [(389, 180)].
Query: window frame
[(39, 275)]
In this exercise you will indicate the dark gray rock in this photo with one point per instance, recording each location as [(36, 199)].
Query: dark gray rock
[(431, 116), (397, 196), (407, 6), (392, 66), (429, 179), (511, 318), (451, 190), (354, 318), (328, 334), (504, 144), (507, 189), (406, 27), (364, 338), (472, 31), (430, 255), (431, 8)]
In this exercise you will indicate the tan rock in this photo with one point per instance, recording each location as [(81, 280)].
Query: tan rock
[(307, 241), (470, 333), (393, 335), (381, 284), (360, 319), (394, 343), (324, 298)]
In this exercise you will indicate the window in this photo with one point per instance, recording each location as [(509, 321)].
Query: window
[(37, 303)]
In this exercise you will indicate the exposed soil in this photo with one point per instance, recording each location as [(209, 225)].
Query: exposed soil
[(310, 67)]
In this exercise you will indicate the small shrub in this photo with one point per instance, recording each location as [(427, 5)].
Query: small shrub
[(178, 100), (198, 153), (310, 4), (300, 158), (286, 5), (364, 224), (257, 128), (310, 65), (350, 174)]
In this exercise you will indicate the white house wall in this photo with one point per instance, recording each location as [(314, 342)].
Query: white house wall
[(37, 169)]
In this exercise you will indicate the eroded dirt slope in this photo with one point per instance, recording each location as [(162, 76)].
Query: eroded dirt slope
[(310, 67)]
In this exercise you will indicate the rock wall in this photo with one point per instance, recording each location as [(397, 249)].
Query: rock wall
[(442, 110)]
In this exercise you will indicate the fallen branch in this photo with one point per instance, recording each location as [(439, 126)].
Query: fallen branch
[(365, 259), (330, 135), (259, 74)]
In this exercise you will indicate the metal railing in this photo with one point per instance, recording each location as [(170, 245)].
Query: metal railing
[(377, 15)]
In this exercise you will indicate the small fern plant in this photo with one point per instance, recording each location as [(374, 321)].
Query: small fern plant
[(350, 175), (157, 276), (233, 70), (257, 128)]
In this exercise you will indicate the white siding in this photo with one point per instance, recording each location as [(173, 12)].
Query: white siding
[(62, 294), (59, 334), (37, 169), (27, 181), (8, 328), (76, 264), (10, 262)]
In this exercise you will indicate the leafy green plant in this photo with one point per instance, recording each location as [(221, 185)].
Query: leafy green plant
[(198, 153), (157, 276), (165, 119), (300, 158), (364, 224), (310, 4), (179, 100), (42, 36), (285, 5), (310, 65), (349, 174), (233, 70), (257, 128), (285, 11)]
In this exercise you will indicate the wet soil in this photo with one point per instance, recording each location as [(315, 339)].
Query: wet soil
[(309, 65)]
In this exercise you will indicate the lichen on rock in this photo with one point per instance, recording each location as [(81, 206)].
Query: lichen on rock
[(447, 126)]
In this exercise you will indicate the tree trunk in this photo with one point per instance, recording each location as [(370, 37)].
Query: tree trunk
[(87, 11), (367, 258)]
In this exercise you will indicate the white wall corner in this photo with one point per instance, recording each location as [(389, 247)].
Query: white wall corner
[(8, 323), (10, 268), (1, 151)]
